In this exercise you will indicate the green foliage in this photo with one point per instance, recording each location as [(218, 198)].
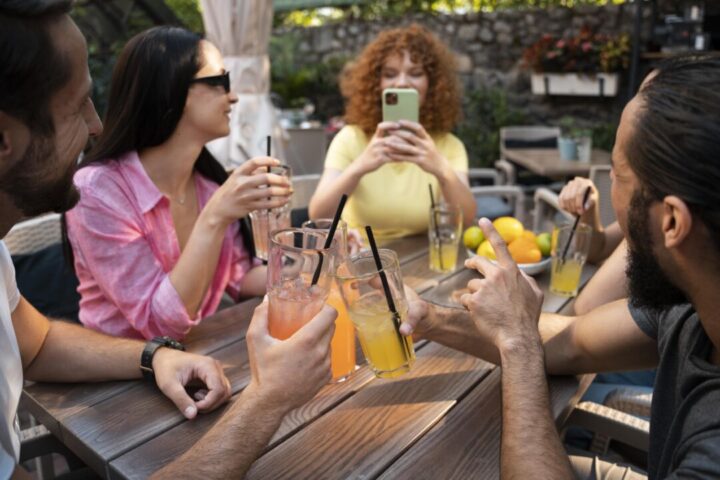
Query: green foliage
[(486, 110), (603, 136), (298, 84), (188, 11), (389, 9)]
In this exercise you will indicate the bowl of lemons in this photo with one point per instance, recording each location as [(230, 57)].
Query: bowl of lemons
[(530, 250)]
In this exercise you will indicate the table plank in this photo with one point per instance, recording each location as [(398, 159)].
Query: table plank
[(224, 328), (418, 276), (408, 248), (363, 435), (547, 163), (466, 444), (112, 427)]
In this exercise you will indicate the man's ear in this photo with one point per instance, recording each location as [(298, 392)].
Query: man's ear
[(676, 221), (14, 140)]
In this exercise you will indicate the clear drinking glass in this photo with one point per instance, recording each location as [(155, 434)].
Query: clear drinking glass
[(566, 271), (296, 257), (444, 235), (389, 353), (264, 222), (342, 359)]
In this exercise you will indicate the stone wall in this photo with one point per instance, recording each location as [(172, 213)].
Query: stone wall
[(489, 48)]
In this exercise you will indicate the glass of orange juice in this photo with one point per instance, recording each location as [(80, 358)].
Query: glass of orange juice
[(389, 353), (343, 342), (569, 252), (297, 256)]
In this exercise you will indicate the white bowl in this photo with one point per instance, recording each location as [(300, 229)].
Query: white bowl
[(529, 268)]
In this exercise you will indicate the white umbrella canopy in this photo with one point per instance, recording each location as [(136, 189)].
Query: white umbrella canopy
[(241, 29)]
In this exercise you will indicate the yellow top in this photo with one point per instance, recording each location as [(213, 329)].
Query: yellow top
[(394, 199)]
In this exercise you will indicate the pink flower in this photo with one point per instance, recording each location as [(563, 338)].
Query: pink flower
[(560, 44), (587, 46)]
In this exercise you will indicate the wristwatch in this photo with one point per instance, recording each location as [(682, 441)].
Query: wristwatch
[(149, 352)]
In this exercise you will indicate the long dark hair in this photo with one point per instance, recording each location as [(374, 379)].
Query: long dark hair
[(675, 146), (148, 91)]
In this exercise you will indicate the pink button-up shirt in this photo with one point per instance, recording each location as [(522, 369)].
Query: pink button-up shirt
[(125, 245)]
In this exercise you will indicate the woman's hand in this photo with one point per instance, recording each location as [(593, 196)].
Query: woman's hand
[(248, 188), (377, 153), (413, 144)]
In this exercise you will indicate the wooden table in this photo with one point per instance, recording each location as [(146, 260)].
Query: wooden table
[(442, 420), (547, 163)]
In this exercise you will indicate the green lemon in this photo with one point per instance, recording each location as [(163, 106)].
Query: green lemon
[(473, 237), (544, 243)]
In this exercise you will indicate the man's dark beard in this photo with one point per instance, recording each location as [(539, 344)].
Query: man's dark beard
[(34, 183), (648, 285)]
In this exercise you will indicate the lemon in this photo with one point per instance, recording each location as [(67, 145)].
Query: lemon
[(509, 228), (544, 243), (486, 250), (473, 237)]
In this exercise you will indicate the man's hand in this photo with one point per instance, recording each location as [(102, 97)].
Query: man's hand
[(419, 319), (506, 304), (288, 373), (174, 370)]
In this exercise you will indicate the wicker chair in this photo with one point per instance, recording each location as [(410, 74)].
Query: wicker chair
[(33, 235)]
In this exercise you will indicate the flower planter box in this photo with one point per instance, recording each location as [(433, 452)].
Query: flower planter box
[(601, 84)]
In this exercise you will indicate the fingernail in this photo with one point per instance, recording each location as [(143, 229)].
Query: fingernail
[(484, 221), (190, 411)]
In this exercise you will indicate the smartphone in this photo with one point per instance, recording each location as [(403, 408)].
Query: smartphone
[(400, 104)]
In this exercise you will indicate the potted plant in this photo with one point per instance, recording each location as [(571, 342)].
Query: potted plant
[(566, 141), (583, 65)]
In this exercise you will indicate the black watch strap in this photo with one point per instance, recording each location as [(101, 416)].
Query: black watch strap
[(149, 352)]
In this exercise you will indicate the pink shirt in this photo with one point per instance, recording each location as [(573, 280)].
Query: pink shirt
[(125, 245)]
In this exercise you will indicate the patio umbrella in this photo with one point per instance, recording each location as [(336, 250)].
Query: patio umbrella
[(241, 29)]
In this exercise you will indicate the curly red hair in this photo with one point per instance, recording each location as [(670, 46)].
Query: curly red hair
[(360, 84)]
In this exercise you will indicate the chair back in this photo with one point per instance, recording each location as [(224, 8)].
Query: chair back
[(306, 150), (528, 136), (600, 176), (33, 235)]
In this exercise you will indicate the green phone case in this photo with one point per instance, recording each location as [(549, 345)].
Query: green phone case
[(400, 104)]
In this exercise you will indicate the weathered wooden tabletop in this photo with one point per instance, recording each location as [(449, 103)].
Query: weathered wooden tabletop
[(547, 163), (441, 420)]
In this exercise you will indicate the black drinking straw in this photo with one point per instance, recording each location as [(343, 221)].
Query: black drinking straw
[(331, 235), (437, 229), (386, 287), (572, 232)]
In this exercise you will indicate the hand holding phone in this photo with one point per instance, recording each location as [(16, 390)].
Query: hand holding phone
[(400, 104)]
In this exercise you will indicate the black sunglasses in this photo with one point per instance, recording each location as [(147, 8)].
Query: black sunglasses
[(222, 80)]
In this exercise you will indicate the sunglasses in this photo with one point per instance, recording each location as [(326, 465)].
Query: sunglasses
[(222, 80)]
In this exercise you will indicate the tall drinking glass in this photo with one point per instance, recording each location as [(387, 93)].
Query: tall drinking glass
[(343, 342), (444, 235), (264, 222), (389, 353), (566, 271), (295, 257)]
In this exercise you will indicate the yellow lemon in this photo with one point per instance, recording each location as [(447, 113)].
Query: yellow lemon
[(486, 250), (509, 228)]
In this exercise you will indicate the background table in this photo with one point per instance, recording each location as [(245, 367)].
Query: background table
[(441, 420), (547, 163)]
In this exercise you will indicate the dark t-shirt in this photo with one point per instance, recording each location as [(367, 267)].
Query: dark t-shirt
[(685, 416)]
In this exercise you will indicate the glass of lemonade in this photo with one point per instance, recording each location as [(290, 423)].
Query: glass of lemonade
[(389, 353), (264, 222), (444, 235), (565, 273), (295, 256), (343, 359)]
